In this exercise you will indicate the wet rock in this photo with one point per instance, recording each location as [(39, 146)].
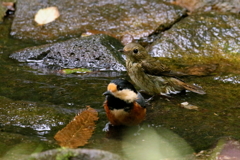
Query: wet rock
[(215, 35), (18, 147), (30, 116), (94, 52), (206, 5), (230, 150), (138, 18), (76, 154), (225, 149)]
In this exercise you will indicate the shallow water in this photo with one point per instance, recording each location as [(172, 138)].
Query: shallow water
[(51, 100)]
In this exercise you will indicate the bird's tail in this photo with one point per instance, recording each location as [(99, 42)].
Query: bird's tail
[(192, 88)]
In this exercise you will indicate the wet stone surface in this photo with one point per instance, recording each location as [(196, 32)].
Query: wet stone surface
[(36, 103), (31, 116), (94, 52), (205, 34), (232, 6), (202, 38), (17, 146), (225, 148), (139, 18), (84, 154)]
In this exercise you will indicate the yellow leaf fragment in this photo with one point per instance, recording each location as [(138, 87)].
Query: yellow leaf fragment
[(79, 130), (188, 106), (46, 15)]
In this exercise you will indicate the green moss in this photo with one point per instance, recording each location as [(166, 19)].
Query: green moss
[(65, 155)]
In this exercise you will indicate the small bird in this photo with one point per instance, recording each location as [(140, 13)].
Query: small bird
[(151, 74), (123, 104)]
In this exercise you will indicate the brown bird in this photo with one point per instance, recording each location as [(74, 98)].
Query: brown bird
[(151, 74), (123, 104)]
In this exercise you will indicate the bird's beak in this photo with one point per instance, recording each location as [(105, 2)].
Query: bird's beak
[(107, 93), (120, 50)]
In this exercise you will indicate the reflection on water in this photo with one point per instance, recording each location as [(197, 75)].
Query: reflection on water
[(157, 143), (234, 79)]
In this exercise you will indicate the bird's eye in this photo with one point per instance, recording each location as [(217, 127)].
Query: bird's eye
[(119, 88), (135, 51)]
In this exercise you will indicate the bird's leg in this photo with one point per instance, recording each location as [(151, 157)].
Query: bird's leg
[(150, 99), (143, 92), (165, 95), (154, 97), (138, 131), (106, 128)]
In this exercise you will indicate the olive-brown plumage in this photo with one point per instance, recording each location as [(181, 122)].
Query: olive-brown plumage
[(151, 74)]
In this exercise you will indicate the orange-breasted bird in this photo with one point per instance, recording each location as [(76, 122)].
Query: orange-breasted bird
[(151, 75), (123, 104)]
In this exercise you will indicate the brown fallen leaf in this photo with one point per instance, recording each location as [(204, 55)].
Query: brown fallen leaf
[(46, 15), (201, 69), (94, 32), (79, 130), (9, 5)]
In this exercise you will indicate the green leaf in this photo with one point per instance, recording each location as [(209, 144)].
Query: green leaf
[(75, 70)]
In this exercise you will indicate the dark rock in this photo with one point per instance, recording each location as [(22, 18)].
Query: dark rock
[(94, 52), (138, 18), (201, 35)]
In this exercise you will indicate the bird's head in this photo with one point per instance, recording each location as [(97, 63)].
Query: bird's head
[(121, 89), (135, 52)]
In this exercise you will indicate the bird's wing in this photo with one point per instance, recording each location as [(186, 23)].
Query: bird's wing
[(189, 87), (156, 68), (140, 100)]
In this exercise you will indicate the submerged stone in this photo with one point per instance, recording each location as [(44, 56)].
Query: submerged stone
[(94, 52), (18, 147), (138, 18), (84, 154), (30, 116)]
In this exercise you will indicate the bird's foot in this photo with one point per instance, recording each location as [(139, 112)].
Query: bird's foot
[(150, 99), (165, 95), (106, 128), (143, 92), (138, 131)]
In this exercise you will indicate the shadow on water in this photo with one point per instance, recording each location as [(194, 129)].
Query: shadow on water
[(36, 103)]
